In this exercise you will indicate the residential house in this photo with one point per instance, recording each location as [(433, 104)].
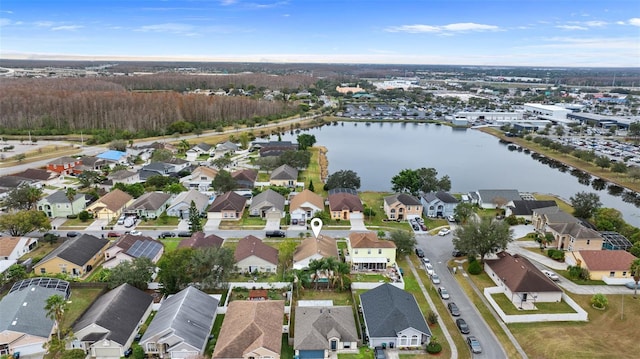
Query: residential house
[(574, 236), (524, 208), (129, 247), (392, 316), (200, 179), (91, 163), (438, 204), (615, 241), (304, 205), (107, 329), (37, 177), (113, 157), (267, 202), (523, 283), (111, 205), (75, 257), (149, 205), (313, 248), (179, 206), (320, 331), (8, 183), (25, 327), (285, 176), (225, 147), (401, 206), (251, 329), (542, 217), (367, 252), (123, 176), (610, 266), (58, 204), (178, 164), (245, 179), (181, 327), (155, 169), (252, 255), (228, 206), (12, 248), (345, 204), (199, 150), (497, 198), (64, 165), (274, 148), (199, 240)]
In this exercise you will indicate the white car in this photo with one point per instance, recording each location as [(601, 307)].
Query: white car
[(435, 279), (551, 275), (135, 233), (425, 260), (429, 268), (444, 232)]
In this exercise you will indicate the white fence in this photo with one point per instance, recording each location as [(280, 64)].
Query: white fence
[(371, 285), (580, 314)]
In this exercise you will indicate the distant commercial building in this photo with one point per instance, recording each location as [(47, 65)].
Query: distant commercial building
[(602, 120), (549, 112)]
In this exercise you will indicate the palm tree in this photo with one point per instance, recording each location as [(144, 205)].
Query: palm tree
[(635, 271), (301, 279), (184, 145), (342, 270), (55, 308), (71, 194), (314, 268), (329, 265)]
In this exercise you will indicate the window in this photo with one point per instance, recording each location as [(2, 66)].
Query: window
[(612, 274), (379, 250), (624, 274), (414, 340), (368, 251), (588, 241), (355, 251), (43, 270)]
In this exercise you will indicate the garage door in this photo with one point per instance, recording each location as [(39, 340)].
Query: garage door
[(311, 354)]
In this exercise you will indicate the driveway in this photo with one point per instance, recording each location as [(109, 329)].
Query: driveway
[(272, 224), (357, 223)]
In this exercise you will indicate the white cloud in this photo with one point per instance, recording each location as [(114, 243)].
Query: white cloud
[(67, 27), (635, 21), (44, 23), (227, 2), (450, 28), (571, 27), (595, 23), (5, 22), (175, 28)]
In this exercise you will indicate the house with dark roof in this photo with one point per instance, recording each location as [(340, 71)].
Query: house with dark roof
[(313, 248), (122, 176), (304, 205), (252, 255), (392, 316), (367, 252), (202, 148), (402, 206), (245, 178), (181, 327), (200, 178), (225, 147), (274, 148), (438, 204), (524, 208), (227, 206), (58, 204), (199, 240), (149, 205), (129, 247), (612, 266), (155, 169), (107, 329), (542, 217), (320, 331), (270, 202), (285, 176), (251, 329), (497, 198), (24, 325), (344, 205), (64, 165), (91, 163), (523, 283), (179, 206), (75, 257), (111, 205), (574, 236), (34, 177)]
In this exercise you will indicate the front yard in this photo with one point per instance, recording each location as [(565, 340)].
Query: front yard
[(542, 308)]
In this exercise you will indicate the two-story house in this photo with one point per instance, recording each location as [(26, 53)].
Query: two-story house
[(402, 206), (368, 253)]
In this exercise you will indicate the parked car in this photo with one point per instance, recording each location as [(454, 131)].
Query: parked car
[(632, 285), (463, 326), (443, 293), (444, 232), (275, 234), (128, 352), (379, 353), (435, 279), (135, 233), (551, 275), (457, 253), (419, 252), (423, 227), (474, 344), (429, 268), (426, 260), (451, 219), (184, 234), (73, 234), (167, 235), (113, 234), (453, 309)]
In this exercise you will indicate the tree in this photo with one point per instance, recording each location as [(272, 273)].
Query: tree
[(602, 161), (184, 146), (88, 178), (482, 237), (23, 197), (15, 273), (311, 187), (20, 223), (268, 163), (420, 180), (174, 188), (343, 179), (161, 155), (599, 301), (634, 173), (634, 269), (609, 219), (71, 195), (305, 141), (222, 162), (223, 182), (118, 145), (585, 204), (194, 218), (635, 249), (211, 267), (405, 241), (619, 167), (285, 253), (137, 272), (634, 129), (244, 140), (174, 270), (55, 307), (463, 212), (295, 159)]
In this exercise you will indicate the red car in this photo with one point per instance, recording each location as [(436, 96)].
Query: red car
[(113, 234)]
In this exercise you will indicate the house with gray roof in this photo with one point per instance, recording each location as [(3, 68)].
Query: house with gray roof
[(438, 204), (225, 147), (524, 209), (182, 325), (75, 257), (402, 206), (149, 205), (497, 198), (107, 329), (392, 316), (24, 325), (129, 247), (542, 217), (285, 176), (198, 150), (179, 206), (320, 331), (58, 204), (268, 201)]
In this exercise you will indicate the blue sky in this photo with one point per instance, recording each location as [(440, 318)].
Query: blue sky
[(473, 32)]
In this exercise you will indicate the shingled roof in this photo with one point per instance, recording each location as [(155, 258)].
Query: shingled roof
[(525, 208), (368, 240), (227, 202), (520, 275), (200, 240), (150, 201), (601, 260), (341, 201), (306, 196), (253, 246), (403, 198), (115, 199), (78, 250), (284, 172), (323, 245), (315, 325)]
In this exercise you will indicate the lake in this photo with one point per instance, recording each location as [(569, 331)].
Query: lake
[(472, 159)]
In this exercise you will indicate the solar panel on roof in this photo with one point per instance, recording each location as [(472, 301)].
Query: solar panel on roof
[(45, 282), (147, 249)]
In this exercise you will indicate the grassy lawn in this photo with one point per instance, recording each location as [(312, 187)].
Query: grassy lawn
[(413, 356), (365, 353), (561, 204), (313, 173), (286, 351), (215, 331), (41, 250), (155, 223), (338, 298), (170, 244), (369, 278), (374, 200), (565, 274), (243, 294), (75, 222), (259, 278), (543, 308), (80, 300)]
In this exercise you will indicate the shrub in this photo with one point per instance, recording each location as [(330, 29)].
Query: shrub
[(73, 354), (84, 216), (475, 268), (72, 216), (434, 348), (556, 254), (432, 317), (511, 220), (138, 352), (599, 301)]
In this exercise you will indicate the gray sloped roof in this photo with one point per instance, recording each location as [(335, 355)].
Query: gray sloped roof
[(61, 197), (525, 208), (23, 310), (284, 172), (78, 250), (201, 200), (150, 201), (406, 199), (119, 311), (489, 195), (443, 196), (315, 325), (268, 198), (189, 314), (388, 310)]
